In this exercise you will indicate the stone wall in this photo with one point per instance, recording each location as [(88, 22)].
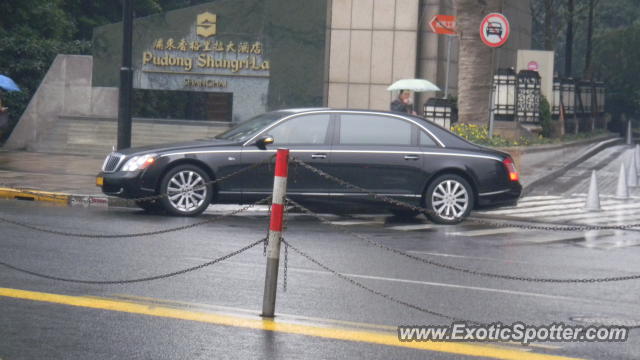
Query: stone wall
[(65, 91), (373, 43)]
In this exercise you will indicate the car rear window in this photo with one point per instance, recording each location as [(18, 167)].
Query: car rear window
[(365, 129)]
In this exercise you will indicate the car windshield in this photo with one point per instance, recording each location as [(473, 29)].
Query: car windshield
[(245, 130)]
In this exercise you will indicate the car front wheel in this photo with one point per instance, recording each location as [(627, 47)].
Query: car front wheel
[(449, 199), (187, 191)]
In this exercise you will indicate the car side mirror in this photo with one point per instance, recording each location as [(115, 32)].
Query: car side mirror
[(263, 141)]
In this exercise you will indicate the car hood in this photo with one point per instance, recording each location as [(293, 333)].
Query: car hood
[(187, 145)]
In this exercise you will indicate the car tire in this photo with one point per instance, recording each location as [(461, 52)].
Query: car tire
[(151, 206), (449, 199), (184, 192)]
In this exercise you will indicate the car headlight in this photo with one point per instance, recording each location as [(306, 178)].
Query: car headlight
[(139, 162)]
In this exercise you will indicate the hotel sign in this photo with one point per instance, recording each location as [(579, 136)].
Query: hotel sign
[(206, 24), (206, 57)]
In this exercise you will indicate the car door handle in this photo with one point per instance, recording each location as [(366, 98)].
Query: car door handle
[(318, 156), (411, 157)]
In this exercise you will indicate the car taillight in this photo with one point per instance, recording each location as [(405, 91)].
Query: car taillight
[(511, 169)]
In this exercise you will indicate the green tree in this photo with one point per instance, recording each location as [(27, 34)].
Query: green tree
[(474, 67), (617, 60)]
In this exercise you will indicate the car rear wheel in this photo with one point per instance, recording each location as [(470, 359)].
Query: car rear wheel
[(449, 198), (187, 191)]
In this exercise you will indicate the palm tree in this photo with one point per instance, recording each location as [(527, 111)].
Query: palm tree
[(475, 61)]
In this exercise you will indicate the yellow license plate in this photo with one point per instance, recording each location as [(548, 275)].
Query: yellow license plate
[(99, 181)]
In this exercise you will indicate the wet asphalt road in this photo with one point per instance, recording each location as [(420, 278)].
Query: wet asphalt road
[(38, 329)]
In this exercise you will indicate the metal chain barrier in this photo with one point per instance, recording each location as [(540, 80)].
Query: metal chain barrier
[(461, 269), (386, 199), (153, 197), (346, 184), (286, 265), (212, 182), (134, 235), (370, 290), (150, 278), (555, 227)]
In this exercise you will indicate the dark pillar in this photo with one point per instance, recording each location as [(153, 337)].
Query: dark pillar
[(126, 77)]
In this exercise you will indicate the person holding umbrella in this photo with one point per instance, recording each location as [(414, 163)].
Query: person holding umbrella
[(406, 86), (6, 84), (403, 103)]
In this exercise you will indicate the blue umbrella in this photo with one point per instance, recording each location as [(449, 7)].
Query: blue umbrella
[(7, 84)]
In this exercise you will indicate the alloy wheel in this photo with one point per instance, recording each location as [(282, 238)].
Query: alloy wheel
[(450, 200), (186, 191)]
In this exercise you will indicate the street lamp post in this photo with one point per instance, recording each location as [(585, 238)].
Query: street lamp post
[(504, 94), (568, 96), (528, 99), (439, 111)]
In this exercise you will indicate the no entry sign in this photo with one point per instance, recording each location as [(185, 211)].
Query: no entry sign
[(494, 30)]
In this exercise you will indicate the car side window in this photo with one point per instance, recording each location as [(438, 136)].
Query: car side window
[(426, 140), (361, 129), (306, 129)]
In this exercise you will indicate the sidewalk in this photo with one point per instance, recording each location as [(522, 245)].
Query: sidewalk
[(576, 180), (539, 164), (71, 174)]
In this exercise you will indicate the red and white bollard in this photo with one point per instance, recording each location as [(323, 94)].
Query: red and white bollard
[(275, 232)]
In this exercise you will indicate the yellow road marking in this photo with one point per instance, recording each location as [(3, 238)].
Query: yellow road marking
[(276, 326), (295, 318), (35, 195)]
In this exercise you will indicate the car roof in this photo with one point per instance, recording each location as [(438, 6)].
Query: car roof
[(304, 110)]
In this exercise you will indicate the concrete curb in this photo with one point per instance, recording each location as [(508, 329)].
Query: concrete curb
[(34, 195), (547, 147), (60, 198), (573, 163)]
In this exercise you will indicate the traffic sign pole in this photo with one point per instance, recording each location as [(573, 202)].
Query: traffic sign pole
[(446, 81), (494, 32), (445, 25)]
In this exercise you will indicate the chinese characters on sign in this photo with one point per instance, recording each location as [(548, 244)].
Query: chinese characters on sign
[(183, 45), (206, 55)]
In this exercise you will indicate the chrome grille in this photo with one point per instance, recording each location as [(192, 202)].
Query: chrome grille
[(112, 162)]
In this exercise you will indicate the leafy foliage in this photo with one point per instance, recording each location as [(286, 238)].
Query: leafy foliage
[(33, 32), (615, 59), (545, 117), (619, 63)]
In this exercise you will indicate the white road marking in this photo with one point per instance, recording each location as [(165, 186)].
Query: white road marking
[(485, 232), (564, 237), (551, 208), (438, 284), (413, 227), (355, 222)]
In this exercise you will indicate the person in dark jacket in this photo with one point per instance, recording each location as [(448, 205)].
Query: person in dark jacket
[(403, 103)]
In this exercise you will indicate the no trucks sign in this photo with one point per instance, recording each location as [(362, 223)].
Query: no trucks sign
[(494, 30)]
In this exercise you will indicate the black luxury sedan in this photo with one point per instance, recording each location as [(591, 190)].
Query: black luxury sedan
[(402, 157)]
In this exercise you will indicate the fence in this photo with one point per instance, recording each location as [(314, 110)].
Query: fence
[(278, 225)]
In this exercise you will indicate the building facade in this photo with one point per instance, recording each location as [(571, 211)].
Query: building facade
[(222, 62)]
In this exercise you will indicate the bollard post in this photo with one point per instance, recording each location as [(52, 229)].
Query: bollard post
[(629, 133), (275, 232)]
